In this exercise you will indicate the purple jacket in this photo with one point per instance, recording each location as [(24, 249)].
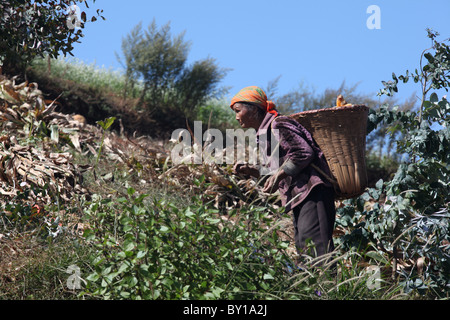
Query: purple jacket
[(297, 150)]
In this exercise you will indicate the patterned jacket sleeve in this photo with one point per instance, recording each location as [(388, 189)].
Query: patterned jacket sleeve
[(298, 152)]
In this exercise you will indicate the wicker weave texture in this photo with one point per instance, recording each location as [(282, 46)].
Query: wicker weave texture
[(341, 134)]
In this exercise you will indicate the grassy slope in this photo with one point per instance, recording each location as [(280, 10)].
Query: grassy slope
[(40, 272)]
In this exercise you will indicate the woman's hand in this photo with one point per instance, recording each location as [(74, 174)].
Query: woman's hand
[(246, 169), (271, 184)]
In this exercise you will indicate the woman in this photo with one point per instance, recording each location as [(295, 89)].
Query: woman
[(304, 191)]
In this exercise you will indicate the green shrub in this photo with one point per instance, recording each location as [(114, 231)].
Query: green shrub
[(29, 29), (151, 249), (410, 223), (216, 114)]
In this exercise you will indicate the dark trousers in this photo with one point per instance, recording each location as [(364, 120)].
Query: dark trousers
[(314, 221)]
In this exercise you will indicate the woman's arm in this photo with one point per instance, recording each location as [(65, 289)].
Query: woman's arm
[(299, 153)]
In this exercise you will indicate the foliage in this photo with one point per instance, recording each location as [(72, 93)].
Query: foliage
[(216, 114), (99, 92), (105, 125), (30, 29), (149, 248), (77, 71), (19, 216), (155, 250), (383, 167), (158, 60), (39, 271), (411, 224)]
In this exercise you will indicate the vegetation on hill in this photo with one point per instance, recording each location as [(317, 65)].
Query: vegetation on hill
[(97, 210)]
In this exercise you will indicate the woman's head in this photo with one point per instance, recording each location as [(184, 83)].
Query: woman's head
[(248, 115), (251, 106)]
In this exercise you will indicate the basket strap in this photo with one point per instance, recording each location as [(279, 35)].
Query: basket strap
[(333, 181), (326, 176)]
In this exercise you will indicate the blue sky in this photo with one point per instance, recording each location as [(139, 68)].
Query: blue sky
[(318, 43)]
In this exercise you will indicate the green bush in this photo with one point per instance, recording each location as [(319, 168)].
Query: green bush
[(151, 249), (29, 29), (216, 114), (410, 223)]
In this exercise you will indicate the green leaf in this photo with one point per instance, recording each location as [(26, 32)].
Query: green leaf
[(93, 277), (131, 191), (131, 281), (129, 245), (141, 254), (106, 271), (217, 291), (123, 267), (213, 221), (377, 257), (268, 276), (189, 213), (107, 123), (429, 57), (434, 97), (379, 184)]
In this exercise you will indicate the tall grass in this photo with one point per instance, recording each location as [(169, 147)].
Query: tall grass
[(215, 112), (91, 75)]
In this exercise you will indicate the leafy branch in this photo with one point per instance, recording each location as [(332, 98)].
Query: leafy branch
[(433, 75), (105, 126), (410, 214)]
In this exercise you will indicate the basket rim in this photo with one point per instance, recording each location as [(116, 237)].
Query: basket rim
[(355, 107)]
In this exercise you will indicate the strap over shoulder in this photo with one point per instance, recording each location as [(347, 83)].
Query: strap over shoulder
[(306, 135)]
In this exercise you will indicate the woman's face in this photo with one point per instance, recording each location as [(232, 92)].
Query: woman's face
[(246, 116)]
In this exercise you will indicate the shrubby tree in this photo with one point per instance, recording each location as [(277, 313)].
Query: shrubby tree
[(410, 219), (38, 28), (157, 62)]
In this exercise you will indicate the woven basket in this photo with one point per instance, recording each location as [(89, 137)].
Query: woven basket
[(340, 132)]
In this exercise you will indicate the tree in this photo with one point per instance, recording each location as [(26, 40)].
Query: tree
[(158, 60), (412, 222), (38, 28)]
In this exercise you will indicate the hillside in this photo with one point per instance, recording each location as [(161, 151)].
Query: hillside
[(53, 162), (99, 190), (95, 104), (92, 206)]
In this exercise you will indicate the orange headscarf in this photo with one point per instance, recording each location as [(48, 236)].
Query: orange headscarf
[(256, 96)]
